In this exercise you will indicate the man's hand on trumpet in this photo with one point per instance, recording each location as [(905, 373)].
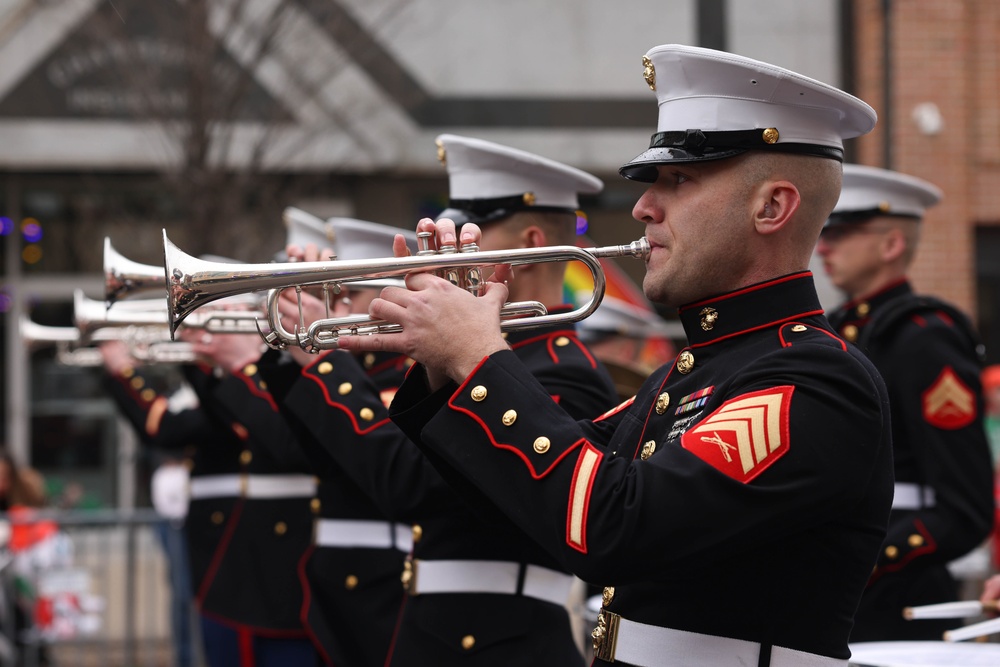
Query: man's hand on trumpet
[(116, 357), (310, 301), (445, 328), (229, 351)]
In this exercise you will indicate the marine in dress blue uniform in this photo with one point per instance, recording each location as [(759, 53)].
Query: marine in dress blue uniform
[(926, 350), (176, 424), (250, 597), (350, 574), (479, 591), (747, 481)]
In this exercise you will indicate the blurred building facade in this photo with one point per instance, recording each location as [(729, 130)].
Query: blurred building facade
[(122, 119), (932, 70)]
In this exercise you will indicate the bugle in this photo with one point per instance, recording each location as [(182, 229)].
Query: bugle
[(193, 283)]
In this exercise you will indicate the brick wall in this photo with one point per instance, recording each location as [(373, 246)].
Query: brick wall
[(945, 53)]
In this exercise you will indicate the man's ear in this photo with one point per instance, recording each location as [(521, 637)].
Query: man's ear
[(892, 245), (533, 236), (776, 205)]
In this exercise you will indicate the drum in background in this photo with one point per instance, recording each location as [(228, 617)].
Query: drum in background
[(924, 654)]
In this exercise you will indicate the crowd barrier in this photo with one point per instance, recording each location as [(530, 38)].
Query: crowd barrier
[(84, 587)]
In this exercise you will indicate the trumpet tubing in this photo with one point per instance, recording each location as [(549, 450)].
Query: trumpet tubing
[(36, 336), (324, 334), (91, 315), (192, 283), (146, 343)]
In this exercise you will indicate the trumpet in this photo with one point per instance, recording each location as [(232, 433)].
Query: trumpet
[(91, 315), (192, 283), (124, 278), (146, 344)]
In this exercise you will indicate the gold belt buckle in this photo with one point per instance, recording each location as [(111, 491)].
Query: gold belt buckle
[(605, 635), (409, 576)]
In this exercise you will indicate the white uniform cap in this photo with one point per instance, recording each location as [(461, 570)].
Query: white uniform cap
[(870, 191), (488, 181), (302, 228), (714, 105), (621, 318), (359, 239), (349, 238)]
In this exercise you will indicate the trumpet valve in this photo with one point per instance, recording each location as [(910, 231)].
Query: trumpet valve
[(473, 282), (451, 274), (424, 243)]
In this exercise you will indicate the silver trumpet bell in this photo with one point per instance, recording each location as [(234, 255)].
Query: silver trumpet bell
[(125, 279), (192, 283)]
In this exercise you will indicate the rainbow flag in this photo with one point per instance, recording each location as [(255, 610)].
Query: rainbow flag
[(579, 284)]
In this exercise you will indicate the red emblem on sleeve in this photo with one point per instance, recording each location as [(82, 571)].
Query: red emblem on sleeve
[(745, 435), (948, 403)]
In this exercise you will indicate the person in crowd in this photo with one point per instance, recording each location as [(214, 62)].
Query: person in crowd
[(991, 396), (20, 486), (929, 356), (758, 463)]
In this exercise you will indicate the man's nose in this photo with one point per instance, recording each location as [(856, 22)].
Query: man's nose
[(644, 211)]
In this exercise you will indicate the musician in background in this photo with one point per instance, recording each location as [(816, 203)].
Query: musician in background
[(480, 592), (192, 446), (250, 598), (927, 352), (350, 574)]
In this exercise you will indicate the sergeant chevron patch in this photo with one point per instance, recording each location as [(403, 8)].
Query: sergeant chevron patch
[(745, 435), (948, 403)]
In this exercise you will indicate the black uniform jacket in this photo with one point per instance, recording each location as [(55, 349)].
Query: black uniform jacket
[(352, 594), (926, 353), (252, 583), (744, 492), (207, 448), (453, 628)]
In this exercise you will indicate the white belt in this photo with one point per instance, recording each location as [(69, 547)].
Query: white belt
[(909, 496), (424, 577), (348, 533), (253, 486), (645, 645)]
